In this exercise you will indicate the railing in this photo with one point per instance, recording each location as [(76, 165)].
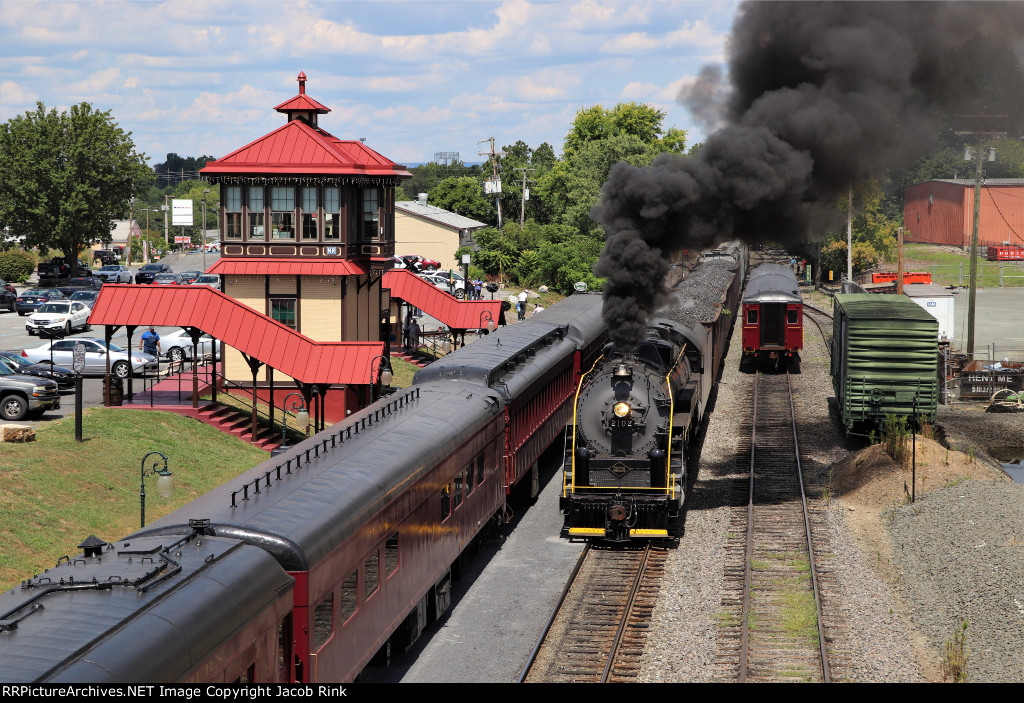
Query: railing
[(334, 438), (205, 370)]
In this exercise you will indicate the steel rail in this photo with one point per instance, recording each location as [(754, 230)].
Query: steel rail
[(626, 611), (825, 673), (748, 555)]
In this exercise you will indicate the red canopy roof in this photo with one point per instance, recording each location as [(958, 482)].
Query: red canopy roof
[(238, 326), (259, 266), (457, 314)]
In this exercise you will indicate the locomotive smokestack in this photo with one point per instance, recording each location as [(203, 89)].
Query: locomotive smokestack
[(823, 95)]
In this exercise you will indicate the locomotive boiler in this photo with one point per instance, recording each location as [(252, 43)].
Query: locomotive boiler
[(636, 414)]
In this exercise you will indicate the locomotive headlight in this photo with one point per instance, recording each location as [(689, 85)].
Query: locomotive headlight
[(621, 409)]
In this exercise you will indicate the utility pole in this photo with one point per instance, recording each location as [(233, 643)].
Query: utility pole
[(131, 215), (524, 197), (899, 262), (495, 181), (977, 130), (167, 232), (849, 237)]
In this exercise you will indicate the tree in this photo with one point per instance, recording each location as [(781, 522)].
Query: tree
[(633, 119), (537, 162), (573, 186), (464, 196), (64, 177)]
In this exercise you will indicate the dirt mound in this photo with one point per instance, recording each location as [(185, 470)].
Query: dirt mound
[(870, 484), (870, 480)]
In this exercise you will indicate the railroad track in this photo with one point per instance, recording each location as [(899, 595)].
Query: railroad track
[(771, 627), (599, 627)]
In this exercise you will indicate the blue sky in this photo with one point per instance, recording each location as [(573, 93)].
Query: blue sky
[(202, 76)]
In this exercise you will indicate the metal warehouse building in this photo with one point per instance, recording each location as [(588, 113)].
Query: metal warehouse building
[(942, 212)]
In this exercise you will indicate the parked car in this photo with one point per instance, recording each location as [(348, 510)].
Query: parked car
[(168, 279), (208, 279), (7, 299), (95, 357), (88, 297), (59, 314), (8, 287), (64, 378), (147, 273), (115, 273), (77, 284), (440, 279), (178, 346), (21, 396), (105, 257), (31, 299), (417, 263), (189, 277), (213, 247), (60, 270)]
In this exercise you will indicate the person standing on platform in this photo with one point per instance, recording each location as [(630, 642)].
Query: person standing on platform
[(150, 342)]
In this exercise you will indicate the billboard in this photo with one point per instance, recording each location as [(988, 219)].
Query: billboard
[(181, 213)]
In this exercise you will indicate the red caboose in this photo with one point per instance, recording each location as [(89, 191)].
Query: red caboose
[(773, 315)]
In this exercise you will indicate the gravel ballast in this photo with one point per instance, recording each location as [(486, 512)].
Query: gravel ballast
[(954, 554)]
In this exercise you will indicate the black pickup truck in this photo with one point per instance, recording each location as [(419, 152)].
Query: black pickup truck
[(57, 271)]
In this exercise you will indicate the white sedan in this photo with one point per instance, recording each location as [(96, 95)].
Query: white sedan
[(95, 357), (59, 314), (440, 280), (177, 346)]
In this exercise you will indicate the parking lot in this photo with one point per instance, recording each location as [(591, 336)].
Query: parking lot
[(13, 337)]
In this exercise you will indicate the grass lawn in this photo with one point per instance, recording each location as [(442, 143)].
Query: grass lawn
[(56, 491), (954, 267)]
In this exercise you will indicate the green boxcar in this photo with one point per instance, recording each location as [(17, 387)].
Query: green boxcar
[(884, 355)]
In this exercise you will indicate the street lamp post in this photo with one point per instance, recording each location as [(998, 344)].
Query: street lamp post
[(301, 416), (384, 375), (164, 484), (486, 315)]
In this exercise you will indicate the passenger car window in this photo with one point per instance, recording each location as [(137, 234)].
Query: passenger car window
[(323, 622), (348, 597), (391, 555), (371, 574)]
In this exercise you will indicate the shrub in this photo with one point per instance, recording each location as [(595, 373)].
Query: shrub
[(896, 437), (16, 265)]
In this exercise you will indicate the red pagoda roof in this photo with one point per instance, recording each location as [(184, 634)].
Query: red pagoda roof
[(302, 102), (238, 326), (299, 147)]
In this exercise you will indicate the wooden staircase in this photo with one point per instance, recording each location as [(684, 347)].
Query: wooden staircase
[(227, 418)]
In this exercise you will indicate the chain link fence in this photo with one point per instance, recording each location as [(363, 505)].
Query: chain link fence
[(991, 274)]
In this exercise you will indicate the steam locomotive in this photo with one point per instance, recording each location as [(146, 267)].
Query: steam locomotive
[(637, 413)]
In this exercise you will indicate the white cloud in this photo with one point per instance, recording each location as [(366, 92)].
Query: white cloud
[(543, 85), (246, 105), (15, 98), (97, 82), (697, 34)]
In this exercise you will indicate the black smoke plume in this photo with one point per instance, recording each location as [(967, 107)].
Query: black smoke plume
[(822, 95)]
